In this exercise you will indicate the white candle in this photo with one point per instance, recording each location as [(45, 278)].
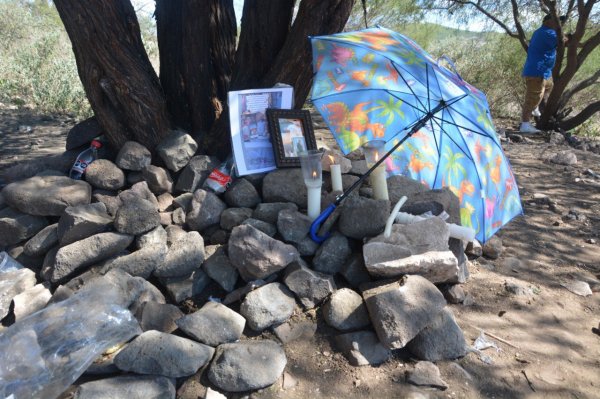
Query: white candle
[(314, 196), (379, 183), (336, 177)]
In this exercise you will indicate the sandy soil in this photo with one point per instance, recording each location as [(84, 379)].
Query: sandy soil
[(549, 348)]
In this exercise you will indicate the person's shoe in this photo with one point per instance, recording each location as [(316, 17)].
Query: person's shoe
[(527, 128), (536, 112)]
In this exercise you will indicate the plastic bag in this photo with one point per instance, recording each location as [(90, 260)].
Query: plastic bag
[(43, 354), (8, 264), (482, 343)]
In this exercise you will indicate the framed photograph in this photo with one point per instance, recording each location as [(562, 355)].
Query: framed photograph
[(291, 133), (252, 146)]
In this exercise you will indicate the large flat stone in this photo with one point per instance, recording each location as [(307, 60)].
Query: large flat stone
[(214, 324), (441, 340), (399, 310), (82, 221), (87, 252), (47, 195), (130, 387), (16, 226), (387, 261), (159, 353), (245, 366)]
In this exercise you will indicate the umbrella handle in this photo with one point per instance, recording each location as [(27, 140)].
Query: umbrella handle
[(316, 225)]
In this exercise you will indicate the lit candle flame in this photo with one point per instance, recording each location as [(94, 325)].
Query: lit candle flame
[(314, 174), (376, 156)]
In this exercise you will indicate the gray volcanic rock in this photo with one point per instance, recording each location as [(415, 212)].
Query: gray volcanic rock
[(47, 195), (400, 310), (16, 226), (184, 256), (309, 286), (196, 172), (232, 217), (441, 340), (205, 210), (388, 260), (269, 211), (268, 305), (133, 156), (332, 254), (87, 252), (363, 348), (242, 194), (256, 255), (218, 267), (293, 225), (136, 216), (426, 374), (214, 324), (176, 149), (160, 317), (129, 386), (158, 179), (82, 221), (285, 185), (159, 353), (247, 365), (104, 174), (41, 243), (363, 217), (345, 310)]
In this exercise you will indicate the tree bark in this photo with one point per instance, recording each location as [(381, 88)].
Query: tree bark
[(291, 65), (119, 81), (196, 40)]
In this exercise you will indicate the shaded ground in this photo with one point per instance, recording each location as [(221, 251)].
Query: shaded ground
[(555, 354)]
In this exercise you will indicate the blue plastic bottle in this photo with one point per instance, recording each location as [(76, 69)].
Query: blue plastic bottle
[(84, 159)]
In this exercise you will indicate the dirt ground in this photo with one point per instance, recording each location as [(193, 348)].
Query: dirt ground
[(547, 346)]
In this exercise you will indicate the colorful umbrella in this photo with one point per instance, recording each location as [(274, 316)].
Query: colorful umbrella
[(378, 84)]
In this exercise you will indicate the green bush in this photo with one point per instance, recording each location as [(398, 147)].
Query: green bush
[(37, 66)]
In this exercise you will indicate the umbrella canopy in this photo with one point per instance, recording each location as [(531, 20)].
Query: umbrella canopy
[(378, 84)]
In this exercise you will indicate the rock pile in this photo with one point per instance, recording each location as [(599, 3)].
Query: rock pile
[(246, 259)]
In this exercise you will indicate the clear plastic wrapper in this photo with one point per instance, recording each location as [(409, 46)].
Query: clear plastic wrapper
[(7, 263), (43, 354)]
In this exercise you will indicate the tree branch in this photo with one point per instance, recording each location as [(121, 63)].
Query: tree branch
[(584, 84), (489, 15), (588, 46), (581, 117), (521, 32)]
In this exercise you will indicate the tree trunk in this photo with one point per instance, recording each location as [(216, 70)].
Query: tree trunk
[(197, 45), (119, 81), (291, 65)]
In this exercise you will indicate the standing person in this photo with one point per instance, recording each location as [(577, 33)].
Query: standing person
[(537, 71)]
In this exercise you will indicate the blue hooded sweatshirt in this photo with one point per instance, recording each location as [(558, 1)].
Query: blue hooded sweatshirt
[(541, 54)]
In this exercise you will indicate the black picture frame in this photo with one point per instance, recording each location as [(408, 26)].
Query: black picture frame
[(291, 131)]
